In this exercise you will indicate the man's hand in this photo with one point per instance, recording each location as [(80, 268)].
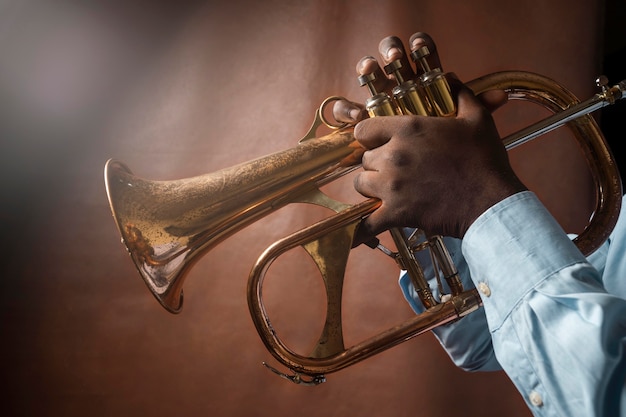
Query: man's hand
[(435, 173)]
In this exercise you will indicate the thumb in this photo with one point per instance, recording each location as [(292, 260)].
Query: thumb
[(490, 99), (368, 229), (470, 107), (493, 99)]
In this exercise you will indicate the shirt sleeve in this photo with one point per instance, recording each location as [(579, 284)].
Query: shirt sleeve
[(466, 341), (555, 330)]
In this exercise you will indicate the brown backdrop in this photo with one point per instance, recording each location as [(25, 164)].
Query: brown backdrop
[(181, 90)]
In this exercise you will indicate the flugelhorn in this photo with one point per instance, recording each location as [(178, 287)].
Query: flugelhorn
[(168, 225)]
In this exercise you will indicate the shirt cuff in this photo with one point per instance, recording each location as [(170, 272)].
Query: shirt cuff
[(511, 248)]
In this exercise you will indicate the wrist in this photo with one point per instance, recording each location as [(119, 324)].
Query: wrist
[(490, 196)]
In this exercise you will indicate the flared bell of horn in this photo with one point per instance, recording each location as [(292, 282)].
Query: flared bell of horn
[(165, 225)]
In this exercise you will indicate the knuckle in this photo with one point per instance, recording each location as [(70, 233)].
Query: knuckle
[(399, 158)]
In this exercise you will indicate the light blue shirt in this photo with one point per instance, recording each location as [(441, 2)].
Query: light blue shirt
[(552, 319)]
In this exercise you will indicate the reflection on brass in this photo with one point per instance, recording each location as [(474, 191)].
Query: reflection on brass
[(138, 245)]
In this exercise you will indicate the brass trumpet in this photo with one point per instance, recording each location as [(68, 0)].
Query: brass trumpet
[(168, 225)]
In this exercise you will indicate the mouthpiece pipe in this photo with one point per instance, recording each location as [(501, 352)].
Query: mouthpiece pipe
[(598, 101)]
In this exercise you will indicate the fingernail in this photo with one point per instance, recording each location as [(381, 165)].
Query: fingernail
[(354, 114), (366, 65), (417, 43), (393, 53)]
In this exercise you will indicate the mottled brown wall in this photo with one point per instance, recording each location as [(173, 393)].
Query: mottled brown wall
[(179, 90)]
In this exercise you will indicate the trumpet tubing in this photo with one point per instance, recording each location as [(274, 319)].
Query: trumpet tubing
[(168, 225), (567, 109)]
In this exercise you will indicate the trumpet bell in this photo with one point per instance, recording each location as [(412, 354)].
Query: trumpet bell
[(166, 225), (155, 239)]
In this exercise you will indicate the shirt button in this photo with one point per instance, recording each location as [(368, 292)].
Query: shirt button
[(484, 288), (535, 398)]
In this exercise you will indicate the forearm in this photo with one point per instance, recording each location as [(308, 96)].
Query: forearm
[(556, 331)]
